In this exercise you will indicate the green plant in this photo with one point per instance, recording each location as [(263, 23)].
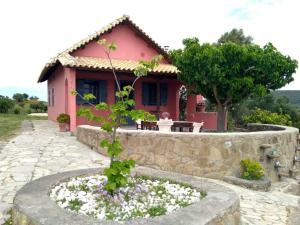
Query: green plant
[(5, 104), (251, 170), (17, 110), (267, 117), (118, 112), (63, 118), (228, 73)]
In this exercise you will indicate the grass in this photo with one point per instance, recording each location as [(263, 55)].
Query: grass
[(11, 123)]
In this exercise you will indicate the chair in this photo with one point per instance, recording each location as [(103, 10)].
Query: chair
[(197, 127), (165, 125), (138, 124), (147, 125)]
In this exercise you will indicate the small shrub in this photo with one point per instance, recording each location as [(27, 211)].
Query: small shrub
[(251, 170), (63, 118), (17, 110), (267, 117)]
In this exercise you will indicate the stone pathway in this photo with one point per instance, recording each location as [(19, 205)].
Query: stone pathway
[(42, 150), (265, 208)]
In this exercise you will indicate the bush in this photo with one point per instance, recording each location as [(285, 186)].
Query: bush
[(63, 118), (251, 170), (5, 104), (17, 110), (38, 106), (267, 117)]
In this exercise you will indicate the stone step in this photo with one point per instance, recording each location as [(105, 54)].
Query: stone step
[(283, 174), (266, 146)]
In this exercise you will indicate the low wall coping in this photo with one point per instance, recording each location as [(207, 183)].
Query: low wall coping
[(283, 130), (33, 206)]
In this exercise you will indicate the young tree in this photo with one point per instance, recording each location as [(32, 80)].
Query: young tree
[(117, 114), (228, 73)]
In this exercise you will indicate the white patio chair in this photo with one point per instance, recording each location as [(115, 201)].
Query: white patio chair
[(197, 127), (165, 125)]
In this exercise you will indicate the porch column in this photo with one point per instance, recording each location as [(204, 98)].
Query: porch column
[(191, 107), (71, 77)]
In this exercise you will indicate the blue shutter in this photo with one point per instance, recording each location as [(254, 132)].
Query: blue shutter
[(80, 90), (163, 94), (102, 91), (145, 94)]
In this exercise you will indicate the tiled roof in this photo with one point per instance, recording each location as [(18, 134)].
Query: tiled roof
[(104, 64), (97, 34)]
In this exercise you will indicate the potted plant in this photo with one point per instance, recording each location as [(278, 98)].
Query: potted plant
[(64, 122)]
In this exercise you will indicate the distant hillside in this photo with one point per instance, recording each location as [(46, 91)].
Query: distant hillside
[(293, 95)]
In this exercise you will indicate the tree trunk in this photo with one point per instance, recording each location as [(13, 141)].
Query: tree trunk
[(222, 112)]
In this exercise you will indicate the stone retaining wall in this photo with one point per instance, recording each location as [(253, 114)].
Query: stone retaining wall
[(212, 155)]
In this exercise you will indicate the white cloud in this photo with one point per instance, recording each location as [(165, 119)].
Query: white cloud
[(33, 31)]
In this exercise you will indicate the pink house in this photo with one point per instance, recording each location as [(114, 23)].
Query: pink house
[(84, 67)]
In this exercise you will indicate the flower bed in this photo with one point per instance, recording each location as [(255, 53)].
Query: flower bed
[(143, 197)]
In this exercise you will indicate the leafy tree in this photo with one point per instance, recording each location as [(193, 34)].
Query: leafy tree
[(280, 105), (5, 104), (229, 73), (20, 97), (267, 117), (117, 114), (235, 36), (34, 98), (38, 106)]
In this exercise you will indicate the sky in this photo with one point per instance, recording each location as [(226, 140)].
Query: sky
[(33, 31)]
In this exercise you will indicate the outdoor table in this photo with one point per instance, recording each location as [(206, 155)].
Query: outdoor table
[(181, 125)]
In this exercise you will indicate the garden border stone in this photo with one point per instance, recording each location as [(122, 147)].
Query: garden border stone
[(33, 206), (258, 185)]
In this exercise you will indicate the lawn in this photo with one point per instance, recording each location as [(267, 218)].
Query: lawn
[(11, 123)]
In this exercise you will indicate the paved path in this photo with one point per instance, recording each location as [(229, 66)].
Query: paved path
[(265, 208), (41, 151)]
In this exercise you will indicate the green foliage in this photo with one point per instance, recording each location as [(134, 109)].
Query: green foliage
[(267, 117), (5, 104), (38, 106), (157, 211), (251, 170), (17, 110), (292, 95), (116, 115), (20, 97), (235, 36), (227, 74), (117, 174), (63, 118)]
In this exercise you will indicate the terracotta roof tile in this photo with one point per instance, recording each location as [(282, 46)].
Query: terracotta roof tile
[(104, 64)]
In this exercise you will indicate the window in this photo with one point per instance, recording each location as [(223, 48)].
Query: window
[(52, 96), (97, 88), (49, 97), (149, 93)]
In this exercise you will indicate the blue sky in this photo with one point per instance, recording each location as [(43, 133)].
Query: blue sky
[(37, 30)]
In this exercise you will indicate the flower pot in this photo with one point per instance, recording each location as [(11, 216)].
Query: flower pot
[(64, 127)]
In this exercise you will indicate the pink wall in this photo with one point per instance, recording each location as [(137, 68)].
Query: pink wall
[(57, 81), (130, 46), (173, 93), (209, 118)]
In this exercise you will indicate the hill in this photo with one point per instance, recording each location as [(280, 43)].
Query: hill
[(293, 95)]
